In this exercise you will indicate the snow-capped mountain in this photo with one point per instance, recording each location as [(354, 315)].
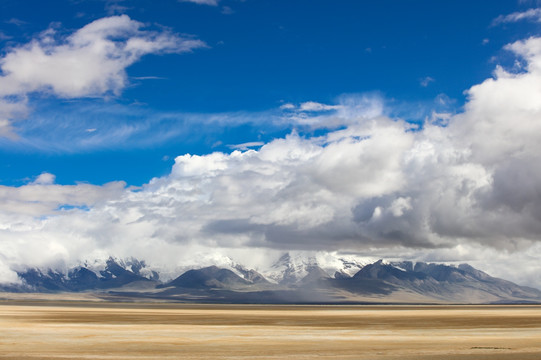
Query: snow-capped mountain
[(103, 267), (292, 268), (112, 274), (293, 278)]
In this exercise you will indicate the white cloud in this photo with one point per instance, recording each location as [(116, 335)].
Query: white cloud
[(287, 106), (226, 10), (7, 275), (424, 82), (310, 106), (350, 109), (467, 190), (315, 106), (45, 179), (11, 109), (42, 198), (247, 145), (203, 2), (501, 121), (90, 62), (530, 14), (16, 22)]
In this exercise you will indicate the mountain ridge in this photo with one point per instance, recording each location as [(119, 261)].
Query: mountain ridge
[(289, 280)]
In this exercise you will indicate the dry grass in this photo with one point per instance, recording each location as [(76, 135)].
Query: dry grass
[(44, 330)]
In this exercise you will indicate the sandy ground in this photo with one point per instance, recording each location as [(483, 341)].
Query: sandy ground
[(82, 330)]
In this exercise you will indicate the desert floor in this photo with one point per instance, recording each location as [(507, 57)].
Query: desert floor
[(82, 330)]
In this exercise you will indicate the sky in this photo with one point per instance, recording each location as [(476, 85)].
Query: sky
[(169, 129)]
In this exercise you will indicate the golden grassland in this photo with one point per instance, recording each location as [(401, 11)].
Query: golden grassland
[(98, 330)]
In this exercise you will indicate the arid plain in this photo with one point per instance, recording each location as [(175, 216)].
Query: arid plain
[(94, 330)]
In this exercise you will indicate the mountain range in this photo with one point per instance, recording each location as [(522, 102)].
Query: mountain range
[(292, 279)]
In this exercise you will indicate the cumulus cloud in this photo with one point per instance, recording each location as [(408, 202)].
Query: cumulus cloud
[(467, 189), (90, 62), (45, 179)]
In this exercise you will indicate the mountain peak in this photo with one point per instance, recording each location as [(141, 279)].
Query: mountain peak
[(208, 277)]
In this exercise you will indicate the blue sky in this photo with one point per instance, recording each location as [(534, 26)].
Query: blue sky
[(169, 129), (258, 56)]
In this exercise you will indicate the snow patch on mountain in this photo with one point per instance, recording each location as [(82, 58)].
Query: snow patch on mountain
[(292, 267)]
